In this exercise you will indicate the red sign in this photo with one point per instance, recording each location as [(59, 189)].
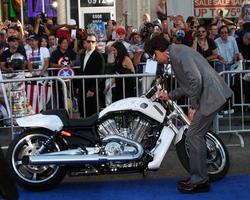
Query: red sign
[(212, 8)]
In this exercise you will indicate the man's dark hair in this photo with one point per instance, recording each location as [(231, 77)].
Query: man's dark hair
[(61, 39), (210, 26), (156, 43), (222, 27), (91, 34)]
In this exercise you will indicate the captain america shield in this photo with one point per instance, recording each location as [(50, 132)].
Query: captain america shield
[(66, 71)]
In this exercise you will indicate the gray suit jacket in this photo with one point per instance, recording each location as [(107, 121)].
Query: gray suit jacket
[(198, 80)]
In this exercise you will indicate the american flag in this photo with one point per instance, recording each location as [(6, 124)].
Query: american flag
[(35, 93)]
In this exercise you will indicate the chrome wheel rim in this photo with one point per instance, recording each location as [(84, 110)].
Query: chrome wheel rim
[(29, 145), (216, 156)]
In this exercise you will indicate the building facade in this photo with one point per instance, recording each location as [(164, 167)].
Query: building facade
[(132, 10)]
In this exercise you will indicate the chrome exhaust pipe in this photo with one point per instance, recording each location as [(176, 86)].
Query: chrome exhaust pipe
[(73, 157), (76, 159)]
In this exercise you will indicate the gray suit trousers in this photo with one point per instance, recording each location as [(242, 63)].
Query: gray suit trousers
[(197, 146)]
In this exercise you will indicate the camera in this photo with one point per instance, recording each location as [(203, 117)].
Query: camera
[(36, 65), (44, 17), (148, 28), (197, 34)]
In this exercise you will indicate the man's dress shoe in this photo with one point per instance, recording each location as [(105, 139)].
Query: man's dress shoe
[(189, 187), (183, 182)]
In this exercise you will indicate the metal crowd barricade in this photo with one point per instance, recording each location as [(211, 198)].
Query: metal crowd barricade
[(139, 85), (9, 121), (235, 117)]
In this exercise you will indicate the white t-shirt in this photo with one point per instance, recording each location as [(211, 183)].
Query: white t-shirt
[(227, 50), (37, 57)]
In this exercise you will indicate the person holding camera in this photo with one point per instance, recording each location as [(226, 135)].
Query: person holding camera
[(191, 27), (41, 27), (14, 47), (38, 57), (220, 20), (204, 45)]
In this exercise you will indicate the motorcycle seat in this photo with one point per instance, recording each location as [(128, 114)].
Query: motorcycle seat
[(87, 122)]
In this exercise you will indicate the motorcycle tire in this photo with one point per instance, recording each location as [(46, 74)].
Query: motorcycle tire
[(217, 156), (35, 178)]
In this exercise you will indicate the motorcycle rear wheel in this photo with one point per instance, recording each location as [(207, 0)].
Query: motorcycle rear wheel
[(217, 156), (35, 178)]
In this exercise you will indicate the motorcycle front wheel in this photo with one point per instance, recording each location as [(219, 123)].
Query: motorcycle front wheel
[(217, 156), (34, 177)]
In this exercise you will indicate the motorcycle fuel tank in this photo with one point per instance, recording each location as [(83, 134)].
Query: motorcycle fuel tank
[(152, 109)]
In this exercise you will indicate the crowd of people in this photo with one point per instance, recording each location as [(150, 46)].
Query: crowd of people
[(46, 45)]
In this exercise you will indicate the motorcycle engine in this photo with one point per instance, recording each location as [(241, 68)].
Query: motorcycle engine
[(128, 125)]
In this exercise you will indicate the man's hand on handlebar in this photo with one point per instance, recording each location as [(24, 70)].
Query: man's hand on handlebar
[(163, 95), (191, 113)]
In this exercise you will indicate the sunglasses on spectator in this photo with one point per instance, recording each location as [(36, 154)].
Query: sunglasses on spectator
[(91, 41), (192, 27)]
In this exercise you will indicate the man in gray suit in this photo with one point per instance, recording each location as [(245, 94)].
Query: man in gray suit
[(207, 92)]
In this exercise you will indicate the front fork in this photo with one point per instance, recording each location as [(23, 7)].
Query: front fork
[(162, 146), (179, 134)]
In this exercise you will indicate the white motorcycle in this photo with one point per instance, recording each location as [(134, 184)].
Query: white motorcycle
[(130, 135)]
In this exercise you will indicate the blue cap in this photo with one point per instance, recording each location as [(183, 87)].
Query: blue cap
[(180, 34)]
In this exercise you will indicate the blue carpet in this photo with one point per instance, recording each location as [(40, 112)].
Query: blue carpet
[(230, 188)]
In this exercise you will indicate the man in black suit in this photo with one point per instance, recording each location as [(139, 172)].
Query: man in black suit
[(92, 64)]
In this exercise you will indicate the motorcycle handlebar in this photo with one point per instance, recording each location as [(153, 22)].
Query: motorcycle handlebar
[(157, 87), (153, 90)]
